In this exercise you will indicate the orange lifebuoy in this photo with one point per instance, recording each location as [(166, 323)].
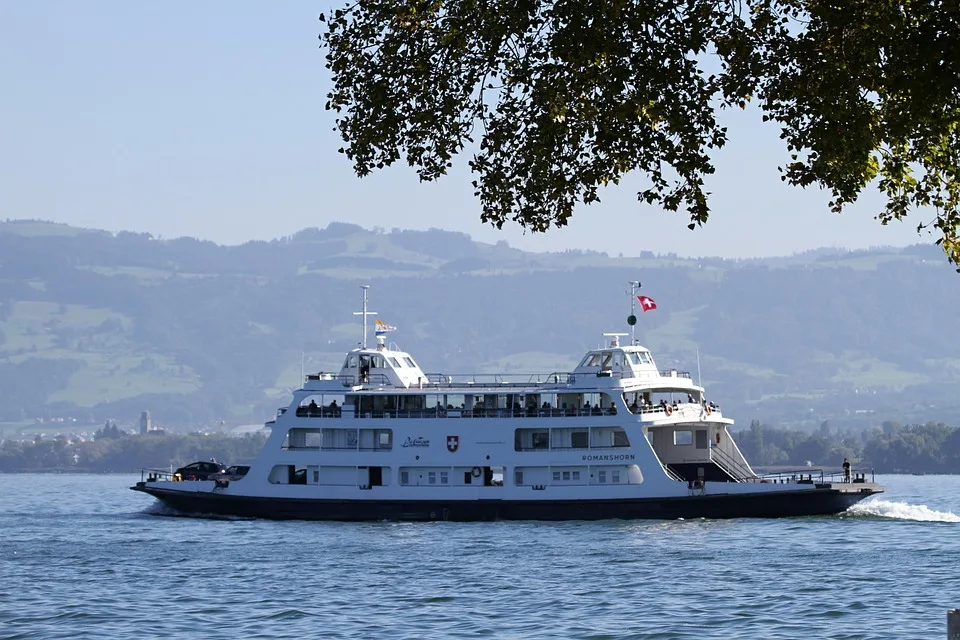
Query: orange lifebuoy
[(708, 409), (668, 409)]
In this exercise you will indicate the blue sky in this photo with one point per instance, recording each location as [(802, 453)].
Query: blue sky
[(206, 119)]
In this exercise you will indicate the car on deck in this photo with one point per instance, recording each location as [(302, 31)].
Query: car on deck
[(203, 470)]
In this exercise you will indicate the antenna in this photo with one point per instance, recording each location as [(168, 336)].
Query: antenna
[(364, 313), (301, 369), (632, 320)]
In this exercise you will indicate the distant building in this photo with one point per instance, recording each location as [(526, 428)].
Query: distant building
[(145, 424)]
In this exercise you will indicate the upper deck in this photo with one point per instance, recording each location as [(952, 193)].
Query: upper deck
[(384, 369)]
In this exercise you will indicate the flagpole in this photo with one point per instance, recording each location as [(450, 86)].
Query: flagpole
[(699, 379)]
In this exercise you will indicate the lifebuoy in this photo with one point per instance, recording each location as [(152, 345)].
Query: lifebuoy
[(477, 472), (708, 409), (668, 409)]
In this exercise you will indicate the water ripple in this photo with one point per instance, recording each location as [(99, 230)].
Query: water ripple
[(98, 563)]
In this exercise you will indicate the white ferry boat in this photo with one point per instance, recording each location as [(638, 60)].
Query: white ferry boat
[(615, 438)]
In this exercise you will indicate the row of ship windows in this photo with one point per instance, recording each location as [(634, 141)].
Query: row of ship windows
[(537, 477), (558, 476), (539, 439)]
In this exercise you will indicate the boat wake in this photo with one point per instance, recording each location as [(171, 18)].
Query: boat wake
[(901, 511)]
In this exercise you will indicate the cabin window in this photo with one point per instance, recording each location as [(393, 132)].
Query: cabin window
[(394, 362), (682, 438), (541, 440), (467, 477), (620, 438), (518, 478), (404, 477), (351, 362), (410, 362), (566, 475), (556, 476), (444, 477), (432, 477), (602, 476), (701, 438), (607, 360), (385, 437), (615, 477), (576, 475), (579, 439), (591, 360)]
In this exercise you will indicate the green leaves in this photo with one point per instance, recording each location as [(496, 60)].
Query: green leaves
[(565, 97)]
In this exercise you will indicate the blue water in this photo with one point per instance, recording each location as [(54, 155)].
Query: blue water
[(84, 557)]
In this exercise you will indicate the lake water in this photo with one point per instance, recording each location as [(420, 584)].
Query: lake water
[(85, 557)]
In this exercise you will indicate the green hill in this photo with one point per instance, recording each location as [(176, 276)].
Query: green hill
[(96, 326)]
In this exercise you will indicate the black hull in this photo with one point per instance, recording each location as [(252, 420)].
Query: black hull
[(822, 501)]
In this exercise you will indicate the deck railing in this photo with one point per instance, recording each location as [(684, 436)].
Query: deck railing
[(486, 380), (452, 412)]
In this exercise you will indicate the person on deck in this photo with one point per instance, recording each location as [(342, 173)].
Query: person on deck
[(846, 470)]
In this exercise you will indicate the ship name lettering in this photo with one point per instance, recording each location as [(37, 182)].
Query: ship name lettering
[(416, 442), (609, 457)]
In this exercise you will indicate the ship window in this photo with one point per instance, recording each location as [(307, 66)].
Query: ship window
[(681, 438), (566, 475), (432, 477), (620, 438), (556, 476), (541, 440), (615, 477), (351, 362), (576, 475), (410, 363), (467, 477), (607, 359), (591, 360), (602, 475), (395, 362), (579, 439), (444, 477), (701, 438), (635, 358), (404, 477), (518, 478)]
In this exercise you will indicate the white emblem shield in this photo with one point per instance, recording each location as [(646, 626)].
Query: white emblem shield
[(453, 443)]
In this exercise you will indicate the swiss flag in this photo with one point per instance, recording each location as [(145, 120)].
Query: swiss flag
[(646, 303)]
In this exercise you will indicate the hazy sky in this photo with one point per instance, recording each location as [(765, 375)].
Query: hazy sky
[(206, 119)]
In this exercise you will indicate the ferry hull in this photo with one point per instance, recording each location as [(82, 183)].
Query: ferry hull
[(821, 501)]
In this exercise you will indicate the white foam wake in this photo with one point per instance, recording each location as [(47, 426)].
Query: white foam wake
[(902, 511)]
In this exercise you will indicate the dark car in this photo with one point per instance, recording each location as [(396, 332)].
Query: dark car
[(201, 471), (236, 472)]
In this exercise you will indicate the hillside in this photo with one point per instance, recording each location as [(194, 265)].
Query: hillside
[(97, 326)]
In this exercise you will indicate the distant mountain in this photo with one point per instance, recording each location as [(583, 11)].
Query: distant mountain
[(96, 326)]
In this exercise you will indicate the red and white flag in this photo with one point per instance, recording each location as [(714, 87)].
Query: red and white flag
[(646, 303)]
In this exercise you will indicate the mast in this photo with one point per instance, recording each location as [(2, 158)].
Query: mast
[(632, 320), (364, 314)]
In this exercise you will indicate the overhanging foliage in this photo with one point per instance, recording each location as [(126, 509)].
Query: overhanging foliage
[(558, 98)]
